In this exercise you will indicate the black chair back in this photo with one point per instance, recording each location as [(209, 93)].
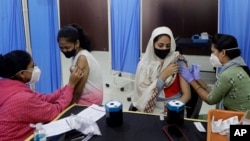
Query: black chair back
[(193, 106)]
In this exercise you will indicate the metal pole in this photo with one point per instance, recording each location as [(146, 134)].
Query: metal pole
[(26, 26)]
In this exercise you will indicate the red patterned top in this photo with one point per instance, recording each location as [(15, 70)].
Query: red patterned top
[(173, 89), (20, 106)]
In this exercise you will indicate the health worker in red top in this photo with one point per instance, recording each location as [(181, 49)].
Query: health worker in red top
[(19, 104)]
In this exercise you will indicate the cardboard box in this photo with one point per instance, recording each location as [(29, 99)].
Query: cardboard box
[(245, 120), (219, 114)]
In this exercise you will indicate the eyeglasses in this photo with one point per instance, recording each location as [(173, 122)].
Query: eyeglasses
[(25, 70)]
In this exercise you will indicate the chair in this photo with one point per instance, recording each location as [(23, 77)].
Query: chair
[(193, 106)]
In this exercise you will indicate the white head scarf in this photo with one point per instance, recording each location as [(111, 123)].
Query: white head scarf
[(149, 55), (151, 62), (150, 67)]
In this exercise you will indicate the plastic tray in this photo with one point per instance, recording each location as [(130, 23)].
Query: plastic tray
[(219, 114)]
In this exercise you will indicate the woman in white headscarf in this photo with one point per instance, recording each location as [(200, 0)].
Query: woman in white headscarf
[(157, 74)]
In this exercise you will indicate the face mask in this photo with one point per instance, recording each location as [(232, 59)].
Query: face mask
[(35, 75), (215, 61), (69, 54), (161, 53)]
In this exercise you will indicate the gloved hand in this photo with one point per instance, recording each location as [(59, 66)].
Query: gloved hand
[(195, 70), (181, 63), (182, 58), (186, 74)]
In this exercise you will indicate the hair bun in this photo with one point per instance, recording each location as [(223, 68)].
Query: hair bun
[(2, 64)]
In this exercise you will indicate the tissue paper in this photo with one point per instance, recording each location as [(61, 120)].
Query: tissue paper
[(223, 126), (83, 125)]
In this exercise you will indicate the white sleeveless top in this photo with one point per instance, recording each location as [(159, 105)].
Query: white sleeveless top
[(93, 89)]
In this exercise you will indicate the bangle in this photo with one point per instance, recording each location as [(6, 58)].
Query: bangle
[(198, 87), (206, 87)]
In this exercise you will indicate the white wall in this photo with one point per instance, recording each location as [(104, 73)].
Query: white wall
[(203, 61), (207, 72)]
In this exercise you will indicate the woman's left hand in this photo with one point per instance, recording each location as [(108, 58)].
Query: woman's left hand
[(186, 74), (71, 69), (195, 70), (181, 57)]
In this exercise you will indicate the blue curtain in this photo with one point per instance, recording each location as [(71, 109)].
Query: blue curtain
[(125, 34), (43, 17), (235, 20), (12, 36)]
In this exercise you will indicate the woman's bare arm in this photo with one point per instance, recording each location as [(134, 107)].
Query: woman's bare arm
[(203, 85), (82, 64), (185, 89)]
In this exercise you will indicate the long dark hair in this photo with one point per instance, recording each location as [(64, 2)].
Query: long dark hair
[(13, 62), (74, 32)]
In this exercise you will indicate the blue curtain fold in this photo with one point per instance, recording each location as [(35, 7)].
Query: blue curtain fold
[(43, 17), (125, 34), (235, 20), (12, 35)]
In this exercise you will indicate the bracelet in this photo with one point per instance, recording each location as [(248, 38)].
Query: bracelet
[(197, 88), (206, 87)]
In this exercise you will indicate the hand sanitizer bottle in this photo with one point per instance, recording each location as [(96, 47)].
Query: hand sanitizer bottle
[(39, 134)]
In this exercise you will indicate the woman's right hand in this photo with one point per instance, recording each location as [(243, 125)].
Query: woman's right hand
[(169, 70), (75, 76)]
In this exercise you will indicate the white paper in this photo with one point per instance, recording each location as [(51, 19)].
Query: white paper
[(60, 126), (56, 127), (245, 120), (199, 126), (222, 126), (93, 112)]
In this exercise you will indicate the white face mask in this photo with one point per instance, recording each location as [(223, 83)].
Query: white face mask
[(35, 75), (215, 61)]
